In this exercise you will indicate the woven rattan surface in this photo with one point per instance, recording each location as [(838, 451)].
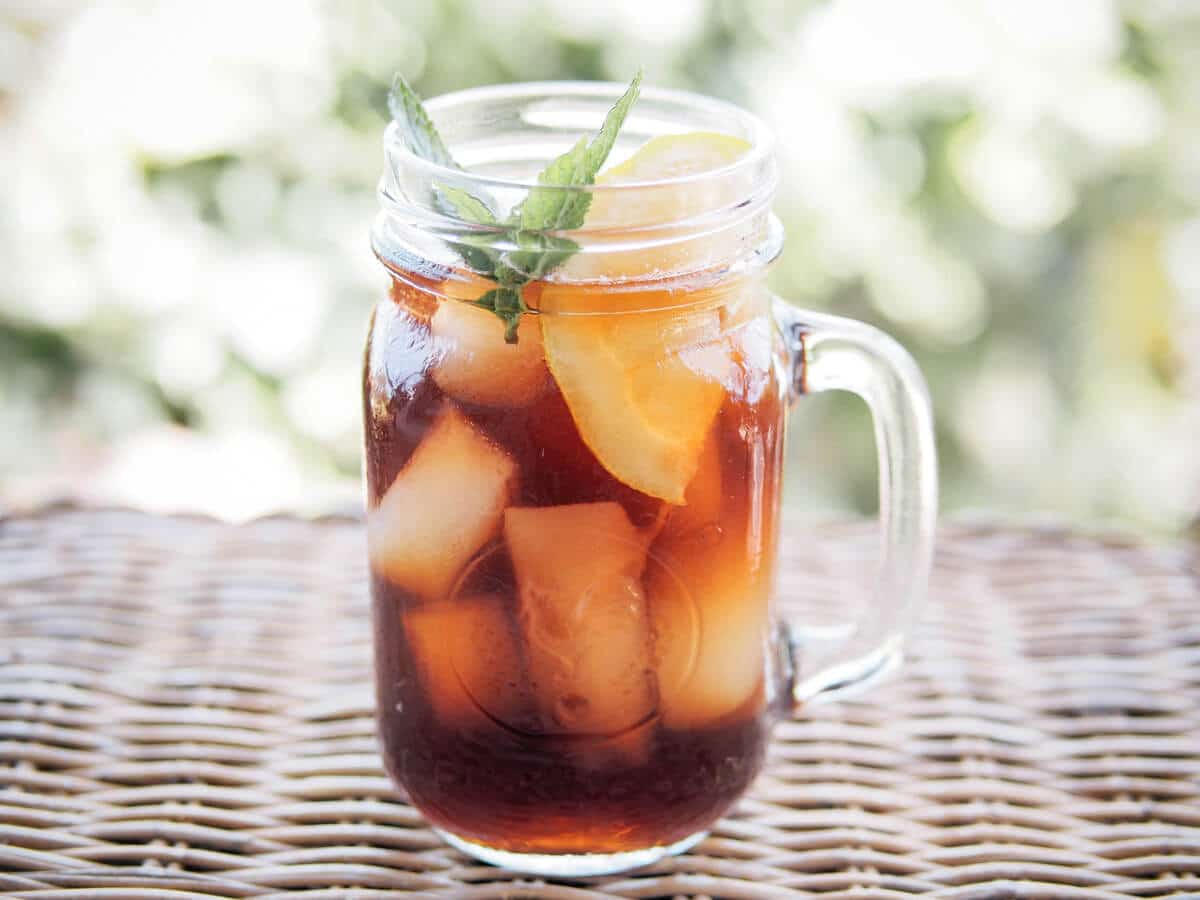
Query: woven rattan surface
[(185, 711)]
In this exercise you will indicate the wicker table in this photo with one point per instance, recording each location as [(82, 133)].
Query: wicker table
[(185, 712)]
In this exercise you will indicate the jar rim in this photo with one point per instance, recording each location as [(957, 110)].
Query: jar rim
[(501, 131), (443, 107)]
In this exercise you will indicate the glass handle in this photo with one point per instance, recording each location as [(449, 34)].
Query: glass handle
[(829, 353)]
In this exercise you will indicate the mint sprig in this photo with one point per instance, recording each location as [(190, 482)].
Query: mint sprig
[(475, 249), (550, 207), (416, 128), (547, 209)]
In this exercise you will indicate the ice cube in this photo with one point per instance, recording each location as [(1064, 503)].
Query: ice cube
[(475, 365), (583, 615), (708, 601), (756, 358), (445, 504), (656, 335), (466, 654)]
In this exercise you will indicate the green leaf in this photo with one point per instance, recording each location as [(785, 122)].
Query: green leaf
[(539, 253), (476, 253), (474, 248), (416, 128), (421, 137), (465, 205), (557, 205), (550, 209), (508, 304), (599, 149)]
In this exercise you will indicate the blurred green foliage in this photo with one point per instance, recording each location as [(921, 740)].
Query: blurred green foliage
[(1010, 188)]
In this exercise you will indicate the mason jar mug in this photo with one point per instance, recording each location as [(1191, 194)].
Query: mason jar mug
[(574, 509)]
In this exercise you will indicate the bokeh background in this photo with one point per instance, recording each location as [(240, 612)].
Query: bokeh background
[(1011, 187)]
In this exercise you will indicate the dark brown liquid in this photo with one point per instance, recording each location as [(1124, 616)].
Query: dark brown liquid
[(531, 794), (511, 780)]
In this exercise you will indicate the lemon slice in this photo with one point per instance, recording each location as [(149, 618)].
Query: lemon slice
[(660, 206), (672, 155), (644, 388), (645, 417)]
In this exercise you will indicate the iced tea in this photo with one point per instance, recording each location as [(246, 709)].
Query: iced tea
[(571, 542)]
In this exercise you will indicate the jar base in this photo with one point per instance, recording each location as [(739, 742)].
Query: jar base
[(570, 865)]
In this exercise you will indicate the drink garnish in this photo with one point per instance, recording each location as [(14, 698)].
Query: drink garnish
[(531, 230)]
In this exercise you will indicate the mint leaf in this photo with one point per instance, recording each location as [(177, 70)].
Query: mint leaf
[(556, 206), (549, 209), (599, 149), (466, 205), (508, 304), (538, 254), (477, 253), (416, 128), (475, 248), (421, 137)]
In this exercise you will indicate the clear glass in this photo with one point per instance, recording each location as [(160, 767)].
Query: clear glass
[(573, 538)]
